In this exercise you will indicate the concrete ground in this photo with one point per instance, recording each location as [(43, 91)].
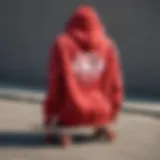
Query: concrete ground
[(138, 139)]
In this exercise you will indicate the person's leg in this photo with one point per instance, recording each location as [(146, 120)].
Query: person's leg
[(110, 134), (105, 132), (65, 138)]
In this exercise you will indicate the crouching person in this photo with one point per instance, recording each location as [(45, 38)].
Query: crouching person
[(85, 85)]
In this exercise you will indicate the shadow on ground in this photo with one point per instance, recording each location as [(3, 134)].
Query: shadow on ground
[(9, 139)]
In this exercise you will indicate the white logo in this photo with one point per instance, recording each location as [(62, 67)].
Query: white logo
[(88, 66)]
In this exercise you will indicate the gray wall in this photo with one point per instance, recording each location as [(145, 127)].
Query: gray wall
[(29, 26)]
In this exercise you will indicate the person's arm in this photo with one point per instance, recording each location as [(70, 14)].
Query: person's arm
[(55, 85), (116, 79)]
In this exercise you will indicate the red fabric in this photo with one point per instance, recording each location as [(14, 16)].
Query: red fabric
[(72, 100)]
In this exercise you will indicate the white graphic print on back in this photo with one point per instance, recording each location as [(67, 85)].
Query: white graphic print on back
[(88, 67)]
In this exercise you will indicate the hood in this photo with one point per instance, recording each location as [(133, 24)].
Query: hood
[(85, 27)]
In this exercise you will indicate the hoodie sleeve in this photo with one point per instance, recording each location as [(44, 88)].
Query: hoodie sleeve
[(116, 81), (55, 85)]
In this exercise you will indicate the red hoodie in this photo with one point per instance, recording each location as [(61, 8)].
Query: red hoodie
[(85, 83)]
